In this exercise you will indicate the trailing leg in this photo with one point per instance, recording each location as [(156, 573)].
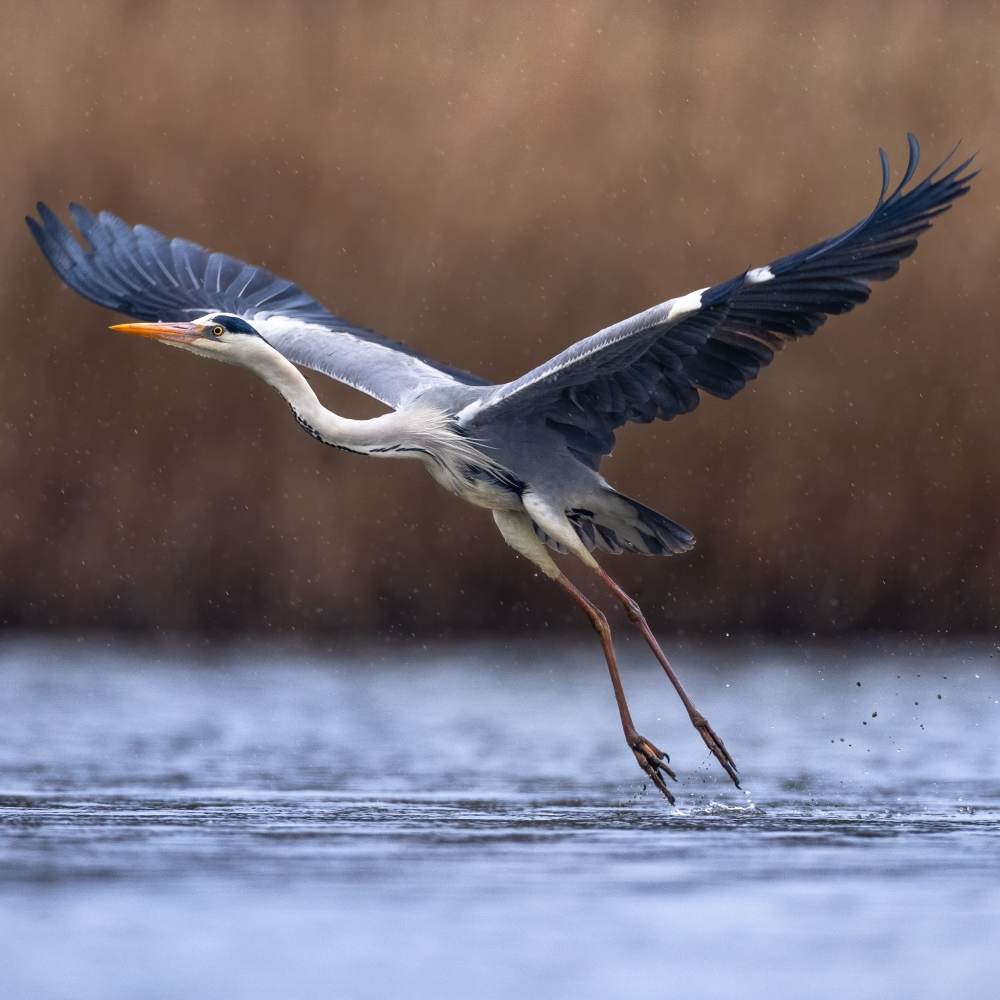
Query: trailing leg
[(518, 533), (651, 759), (708, 734)]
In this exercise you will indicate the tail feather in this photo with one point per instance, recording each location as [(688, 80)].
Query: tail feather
[(620, 524)]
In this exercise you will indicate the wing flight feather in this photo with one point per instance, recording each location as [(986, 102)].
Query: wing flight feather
[(656, 364), (140, 272)]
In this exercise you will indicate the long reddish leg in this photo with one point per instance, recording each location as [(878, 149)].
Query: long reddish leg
[(651, 759), (708, 734), (519, 533)]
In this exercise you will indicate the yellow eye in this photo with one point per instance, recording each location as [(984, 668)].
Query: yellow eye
[(218, 331)]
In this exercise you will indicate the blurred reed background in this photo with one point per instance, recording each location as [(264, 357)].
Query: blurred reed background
[(490, 183)]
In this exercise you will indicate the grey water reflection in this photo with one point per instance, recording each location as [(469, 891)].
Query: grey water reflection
[(269, 821)]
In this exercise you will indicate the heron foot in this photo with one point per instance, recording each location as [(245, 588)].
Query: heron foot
[(714, 743), (654, 762)]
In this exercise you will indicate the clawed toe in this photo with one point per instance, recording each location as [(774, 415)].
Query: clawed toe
[(718, 748), (655, 763)]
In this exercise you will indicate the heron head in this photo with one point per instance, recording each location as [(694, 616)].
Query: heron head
[(220, 336)]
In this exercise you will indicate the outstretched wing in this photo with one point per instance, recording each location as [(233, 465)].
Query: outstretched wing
[(655, 364), (139, 272)]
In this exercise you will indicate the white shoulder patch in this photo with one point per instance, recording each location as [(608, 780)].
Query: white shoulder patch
[(685, 304), (758, 275)]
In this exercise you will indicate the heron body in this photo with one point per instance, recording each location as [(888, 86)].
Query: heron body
[(529, 450)]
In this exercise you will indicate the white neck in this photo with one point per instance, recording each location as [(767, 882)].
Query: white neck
[(391, 434), (412, 432)]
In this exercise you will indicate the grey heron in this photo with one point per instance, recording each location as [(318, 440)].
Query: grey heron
[(528, 450)]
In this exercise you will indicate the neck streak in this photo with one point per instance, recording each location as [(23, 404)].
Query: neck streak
[(405, 433)]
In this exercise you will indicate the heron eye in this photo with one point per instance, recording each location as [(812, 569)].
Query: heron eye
[(218, 331)]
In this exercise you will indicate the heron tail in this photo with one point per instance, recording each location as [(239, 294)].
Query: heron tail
[(618, 523)]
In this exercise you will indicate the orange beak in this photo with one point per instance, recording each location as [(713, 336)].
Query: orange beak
[(175, 333)]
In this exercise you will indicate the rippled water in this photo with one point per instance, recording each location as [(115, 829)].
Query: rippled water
[(464, 821)]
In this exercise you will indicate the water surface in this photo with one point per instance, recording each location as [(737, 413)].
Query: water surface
[(260, 820)]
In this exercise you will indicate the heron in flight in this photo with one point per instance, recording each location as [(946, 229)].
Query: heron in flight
[(528, 450)]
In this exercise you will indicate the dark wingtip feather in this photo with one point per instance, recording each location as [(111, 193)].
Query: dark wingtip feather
[(721, 292), (884, 160), (49, 234), (39, 236), (82, 216), (912, 163), (49, 218)]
